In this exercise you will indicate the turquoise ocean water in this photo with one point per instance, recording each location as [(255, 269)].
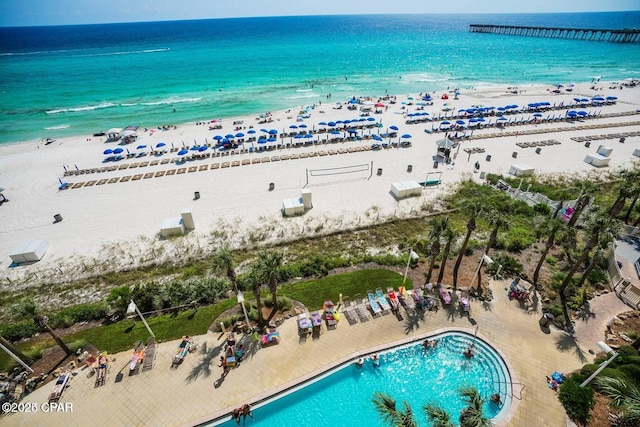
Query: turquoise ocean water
[(76, 80)]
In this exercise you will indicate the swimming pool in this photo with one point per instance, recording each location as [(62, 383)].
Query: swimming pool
[(410, 373)]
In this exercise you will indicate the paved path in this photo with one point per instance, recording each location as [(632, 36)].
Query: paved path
[(591, 325), (196, 392)]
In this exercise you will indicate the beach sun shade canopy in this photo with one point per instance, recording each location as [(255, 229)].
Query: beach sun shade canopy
[(444, 143)]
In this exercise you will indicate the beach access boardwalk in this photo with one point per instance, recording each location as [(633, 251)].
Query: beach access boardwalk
[(627, 35), (195, 392)]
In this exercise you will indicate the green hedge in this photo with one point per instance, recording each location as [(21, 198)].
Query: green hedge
[(576, 401), (15, 331)]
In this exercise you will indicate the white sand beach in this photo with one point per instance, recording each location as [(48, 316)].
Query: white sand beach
[(116, 224)]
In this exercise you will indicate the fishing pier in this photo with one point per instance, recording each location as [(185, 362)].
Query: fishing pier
[(591, 34)]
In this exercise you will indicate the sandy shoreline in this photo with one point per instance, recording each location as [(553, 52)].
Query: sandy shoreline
[(116, 225)]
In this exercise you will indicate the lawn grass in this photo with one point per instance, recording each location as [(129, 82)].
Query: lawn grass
[(313, 293), (123, 335)]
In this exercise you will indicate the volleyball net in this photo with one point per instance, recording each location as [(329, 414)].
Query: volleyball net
[(328, 175)]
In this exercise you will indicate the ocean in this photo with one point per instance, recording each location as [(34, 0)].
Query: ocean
[(77, 80)]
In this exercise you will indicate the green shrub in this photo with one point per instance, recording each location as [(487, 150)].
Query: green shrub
[(284, 303), (209, 289), (598, 275), (509, 266), (551, 260), (631, 370), (230, 320), (542, 209), (76, 314), (577, 401), (587, 370), (77, 344), (519, 238), (145, 296), (119, 299), (555, 310), (16, 331)]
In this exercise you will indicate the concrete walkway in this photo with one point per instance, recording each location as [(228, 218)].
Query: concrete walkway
[(591, 324), (197, 392)]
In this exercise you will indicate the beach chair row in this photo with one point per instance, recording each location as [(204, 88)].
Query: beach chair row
[(552, 130), (606, 136), (206, 167), (538, 143)]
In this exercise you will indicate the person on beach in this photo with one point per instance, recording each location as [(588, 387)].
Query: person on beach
[(477, 167)]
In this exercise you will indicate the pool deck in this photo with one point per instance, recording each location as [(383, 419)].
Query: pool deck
[(196, 391)]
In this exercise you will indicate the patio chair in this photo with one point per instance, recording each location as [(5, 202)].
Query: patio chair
[(361, 310)]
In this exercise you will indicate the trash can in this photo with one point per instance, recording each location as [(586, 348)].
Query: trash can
[(57, 217), (538, 150), (622, 139), (514, 154), (435, 165), (587, 144), (196, 195), (379, 171), (409, 168), (545, 319), (271, 186), (482, 175), (489, 158)]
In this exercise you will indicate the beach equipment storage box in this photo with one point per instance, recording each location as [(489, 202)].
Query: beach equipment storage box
[(29, 251), (306, 198), (597, 160), (172, 227), (521, 170), (187, 219)]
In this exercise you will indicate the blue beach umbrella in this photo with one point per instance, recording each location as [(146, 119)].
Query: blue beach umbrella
[(251, 131), (293, 127), (262, 140), (461, 122), (160, 144), (239, 135), (298, 136), (406, 136), (107, 151), (303, 126), (377, 137), (308, 136), (195, 148), (352, 131), (218, 137), (117, 150), (335, 132), (612, 98), (331, 124), (537, 114), (272, 139), (322, 124), (203, 148), (393, 127), (582, 113), (182, 152), (273, 132), (141, 147), (230, 136), (371, 119)]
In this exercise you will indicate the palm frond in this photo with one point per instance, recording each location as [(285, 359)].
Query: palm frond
[(438, 416)]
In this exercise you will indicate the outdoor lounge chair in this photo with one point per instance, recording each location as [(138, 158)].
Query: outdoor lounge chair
[(361, 310), (445, 294), (317, 322), (375, 307), (350, 312), (382, 300), (406, 300), (393, 299), (463, 300), (270, 338), (58, 388), (304, 325)]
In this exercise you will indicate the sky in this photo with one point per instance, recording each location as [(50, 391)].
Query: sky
[(68, 12)]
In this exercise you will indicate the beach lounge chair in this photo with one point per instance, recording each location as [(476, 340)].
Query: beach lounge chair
[(405, 299), (317, 322), (445, 294), (361, 310), (375, 307), (465, 305), (393, 299), (350, 312), (270, 338), (304, 325), (183, 349), (136, 359), (101, 367), (58, 388), (382, 300)]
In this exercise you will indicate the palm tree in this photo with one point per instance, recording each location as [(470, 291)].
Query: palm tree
[(268, 269), (628, 188), (437, 227), (473, 415), (386, 406), (473, 209), (13, 349), (497, 221), (569, 241), (450, 235), (28, 308), (634, 177), (624, 396), (438, 417), (587, 190), (550, 227), (223, 261), (599, 225)]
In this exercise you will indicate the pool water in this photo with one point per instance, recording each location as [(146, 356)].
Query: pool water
[(410, 373)]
